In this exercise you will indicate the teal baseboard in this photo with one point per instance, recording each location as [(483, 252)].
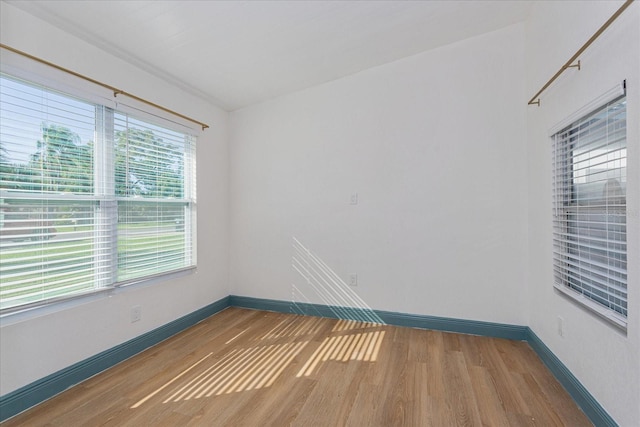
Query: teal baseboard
[(32, 394), (473, 327), (589, 405)]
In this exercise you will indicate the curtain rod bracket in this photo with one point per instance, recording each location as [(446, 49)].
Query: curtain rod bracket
[(116, 93), (532, 102), (573, 66)]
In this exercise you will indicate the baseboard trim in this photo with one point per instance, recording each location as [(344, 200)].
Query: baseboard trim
[(45, 388), (462, 326), (589, 405), (37, 392)]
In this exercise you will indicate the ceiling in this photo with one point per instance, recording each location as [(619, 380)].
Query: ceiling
[(238, 53)]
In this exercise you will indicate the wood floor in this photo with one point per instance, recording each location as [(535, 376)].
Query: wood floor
[(254, 368)]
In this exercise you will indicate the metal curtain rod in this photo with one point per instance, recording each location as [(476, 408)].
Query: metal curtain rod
[(115, 90), (570, 62)]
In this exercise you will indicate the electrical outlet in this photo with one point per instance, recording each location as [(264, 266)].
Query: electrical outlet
[(136, 313), (353, 280), (561, 326)]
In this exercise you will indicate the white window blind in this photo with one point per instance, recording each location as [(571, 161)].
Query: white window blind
[(589, 190), (154, 200), (89, 197)]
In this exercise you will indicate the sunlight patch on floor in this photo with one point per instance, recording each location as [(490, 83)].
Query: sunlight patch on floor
[(363, 346)]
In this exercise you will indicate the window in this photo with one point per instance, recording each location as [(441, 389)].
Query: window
[(90, 197), (589, 188)]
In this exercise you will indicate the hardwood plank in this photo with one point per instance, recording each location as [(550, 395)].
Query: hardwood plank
[(435, 362), (274, 409), (492, 411), (459, 391), (537, 408), (245, 368), (508, 391)]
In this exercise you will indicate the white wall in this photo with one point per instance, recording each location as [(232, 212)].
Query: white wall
[(434, 146), (606, 361), (39, 343)]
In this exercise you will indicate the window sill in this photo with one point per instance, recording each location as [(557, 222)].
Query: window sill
[(602, 312)]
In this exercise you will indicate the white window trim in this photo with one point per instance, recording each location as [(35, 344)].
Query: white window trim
[(582, 301), (40, 74), (608, 96)]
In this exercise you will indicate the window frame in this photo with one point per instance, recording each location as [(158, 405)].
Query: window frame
[(103, 194), (566, 205)]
